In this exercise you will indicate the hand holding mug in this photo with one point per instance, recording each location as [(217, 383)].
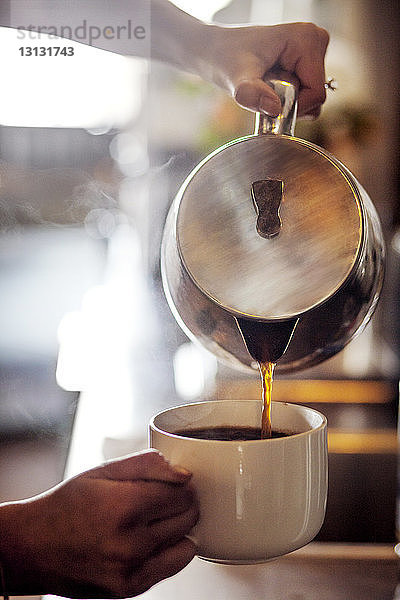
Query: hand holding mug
[(113, 531)]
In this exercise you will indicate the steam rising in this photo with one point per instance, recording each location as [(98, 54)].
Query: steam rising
[(51, 197)]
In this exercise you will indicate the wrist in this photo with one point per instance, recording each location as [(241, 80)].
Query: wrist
[(179, 39)]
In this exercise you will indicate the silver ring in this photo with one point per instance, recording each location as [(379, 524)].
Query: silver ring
[(331, 84)]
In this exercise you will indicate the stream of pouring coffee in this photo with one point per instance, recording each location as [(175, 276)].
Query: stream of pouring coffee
[(266, 343)]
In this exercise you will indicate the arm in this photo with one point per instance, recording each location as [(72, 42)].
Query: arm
[(113, 531), (233, 57)]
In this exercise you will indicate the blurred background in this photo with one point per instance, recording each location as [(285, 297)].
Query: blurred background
[(91, 156)]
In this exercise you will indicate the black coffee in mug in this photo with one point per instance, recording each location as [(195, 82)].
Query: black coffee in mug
[(228, 433)]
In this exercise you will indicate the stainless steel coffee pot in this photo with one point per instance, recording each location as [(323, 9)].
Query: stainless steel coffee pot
[(270, 234)]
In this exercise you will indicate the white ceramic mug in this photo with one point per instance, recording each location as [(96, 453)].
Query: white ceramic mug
[(259, 499)]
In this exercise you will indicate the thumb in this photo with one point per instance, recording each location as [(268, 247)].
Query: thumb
[(148, 465), (257, 95)]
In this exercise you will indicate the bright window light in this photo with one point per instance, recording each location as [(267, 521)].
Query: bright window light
[(194, 370), (91, 89), (204, 10)]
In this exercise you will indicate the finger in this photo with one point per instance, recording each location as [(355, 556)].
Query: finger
[(311, 72), (304, 55), (256, 95), (166, 563), (149, 465), (170, 531), (153, 500), (311, 96)]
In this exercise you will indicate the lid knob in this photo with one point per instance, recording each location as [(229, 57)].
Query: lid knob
[(267, 196)]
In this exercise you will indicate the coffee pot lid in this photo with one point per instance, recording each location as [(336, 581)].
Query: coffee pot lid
[(269, 226), (313, 227)]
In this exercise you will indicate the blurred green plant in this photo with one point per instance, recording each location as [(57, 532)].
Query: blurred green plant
[(356, 123)]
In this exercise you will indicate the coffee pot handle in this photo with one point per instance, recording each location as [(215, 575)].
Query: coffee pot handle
[(286, 86)]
